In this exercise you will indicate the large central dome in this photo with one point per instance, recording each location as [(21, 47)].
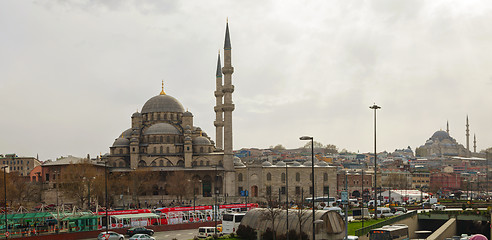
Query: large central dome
[(162, 103)]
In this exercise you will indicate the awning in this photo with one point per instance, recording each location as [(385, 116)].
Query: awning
[(131, 216)]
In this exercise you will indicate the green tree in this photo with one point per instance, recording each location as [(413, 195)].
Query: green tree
[(279, 147), (315, 143)]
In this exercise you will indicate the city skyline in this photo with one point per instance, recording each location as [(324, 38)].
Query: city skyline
[(73, 72)]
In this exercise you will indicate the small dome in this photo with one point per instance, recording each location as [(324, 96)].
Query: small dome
[(187, 138), (187, 114), (134, 140), (162, 103), (136, 114), (161, 128), (127, 133), (204, 134), (188, 131), (188, 127), (121, 142), (308, 163), (322, 164), (198, 129), (201, 141), (280, 164), (296, 164), (266, 164), (238, 162)]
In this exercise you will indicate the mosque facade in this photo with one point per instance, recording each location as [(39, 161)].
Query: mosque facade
[(441, 144), (163, 137)]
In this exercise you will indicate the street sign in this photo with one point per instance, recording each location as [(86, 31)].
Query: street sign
[(246, 192), (344, 197), (7, 234)]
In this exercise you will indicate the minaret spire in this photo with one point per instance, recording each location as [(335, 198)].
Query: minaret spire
[(447, 127), (228, 107), (467, 135), (474, 143), (219, 113)]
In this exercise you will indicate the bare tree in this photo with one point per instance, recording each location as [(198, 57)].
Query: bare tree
[(271, 214), (75, 180), (180, 185), (302, 215)]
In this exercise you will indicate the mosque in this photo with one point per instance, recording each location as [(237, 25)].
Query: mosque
[(163, 138), (441, 144)]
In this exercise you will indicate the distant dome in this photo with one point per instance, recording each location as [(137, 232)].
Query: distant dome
[(121, 142), (162, 103), (161, 128), (201, 141), (187, 114), (127, 133), (441, 135), (280, 164), (266, 164)]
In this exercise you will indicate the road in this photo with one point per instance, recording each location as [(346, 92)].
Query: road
[(169, 235)]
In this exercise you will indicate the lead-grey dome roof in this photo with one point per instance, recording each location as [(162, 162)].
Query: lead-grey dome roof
[(441, 135), (266, 164), (161, 128), (162, 103), (187, 114), (201, 141), (136, 114), (127, 133), (121, 142), (280, 164)]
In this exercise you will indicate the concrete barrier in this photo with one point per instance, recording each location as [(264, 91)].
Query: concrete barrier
[(448, 229)]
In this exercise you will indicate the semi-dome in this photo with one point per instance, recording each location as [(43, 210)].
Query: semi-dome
[(308, 163), (440, 135), (296, 164), (238, 162), (136, 114), (201, 141), (161, 128), (322, 164), (121, 142), (162, 103), (127, 133)]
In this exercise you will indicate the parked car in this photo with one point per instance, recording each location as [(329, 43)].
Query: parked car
[(110, 235), (398, 209), (139, 230), (204, 232), (438, 207), (141, 237)]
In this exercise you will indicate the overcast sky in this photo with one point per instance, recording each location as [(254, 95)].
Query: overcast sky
[(72, 72)]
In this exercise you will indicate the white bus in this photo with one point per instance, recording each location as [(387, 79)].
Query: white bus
[(390, 232), (231, 221), (328, 201)]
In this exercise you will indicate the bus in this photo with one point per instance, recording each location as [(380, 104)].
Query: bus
[(390, 232), (328, 201), (231, 221)]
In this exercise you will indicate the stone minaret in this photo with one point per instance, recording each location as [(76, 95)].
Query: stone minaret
[(228, 107), (447, 127), (219, 122), (474, 143), (467, 135)]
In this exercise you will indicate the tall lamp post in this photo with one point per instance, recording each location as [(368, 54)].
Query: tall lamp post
[(375, 107), (5, 196), (287, 198), (106, 190), (312, 176)]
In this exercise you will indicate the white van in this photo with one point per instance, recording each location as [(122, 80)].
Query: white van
[(384, 212), (204, 232)]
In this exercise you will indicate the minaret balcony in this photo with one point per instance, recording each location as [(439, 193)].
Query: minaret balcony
[(228, 107), (228, 89), (228, 70), (219, 93), (219, 123)]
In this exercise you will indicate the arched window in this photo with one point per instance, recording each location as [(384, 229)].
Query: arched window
[(208, 163), (201, 149), (158, 117), (161, 139), (121, 151), (161, 150), (325, 177), (122, 164), (180, 163), (201, 163), (240, 177), (269, 177), (167, 149), (114, 164), (155, 150), (169, 163), (168, 139), (298, 177), (283, 177), (311, 177), (161, 163), (153, 164)]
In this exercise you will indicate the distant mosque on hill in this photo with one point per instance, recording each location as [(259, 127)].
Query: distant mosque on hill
[(164, 138), (441, 144)]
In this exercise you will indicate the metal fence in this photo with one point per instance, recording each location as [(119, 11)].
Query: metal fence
[(365, 230)]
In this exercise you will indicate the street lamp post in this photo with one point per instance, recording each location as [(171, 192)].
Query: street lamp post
[(5, 196), (106, 190), (312, 177), (375, 107), (287, 198)]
